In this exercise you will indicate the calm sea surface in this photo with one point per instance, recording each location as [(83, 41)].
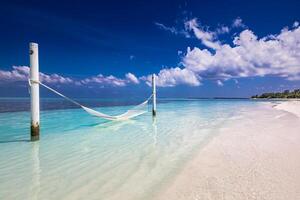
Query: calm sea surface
[(83, 157)]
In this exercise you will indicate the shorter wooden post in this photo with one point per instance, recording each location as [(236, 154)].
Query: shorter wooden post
[(154, 95)]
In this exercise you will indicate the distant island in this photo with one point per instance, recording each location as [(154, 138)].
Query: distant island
[(279, 95)]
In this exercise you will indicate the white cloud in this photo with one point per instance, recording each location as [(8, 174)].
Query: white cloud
[(207, 37), (111, 80), (172, 30), (55, 78), (166, 28), (170, 77), (220, 83), (21, 73), (104, 80), (132, 78), (238, 23), (296, 24), (249, 56), (222, 30)]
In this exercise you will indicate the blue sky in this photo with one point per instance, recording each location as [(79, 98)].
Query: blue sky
[(109, 48)]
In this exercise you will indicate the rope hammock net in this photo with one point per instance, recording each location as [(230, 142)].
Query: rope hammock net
[(133, 112)]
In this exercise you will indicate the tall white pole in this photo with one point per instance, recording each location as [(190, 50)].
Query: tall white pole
[(34, 91), (154, 95)]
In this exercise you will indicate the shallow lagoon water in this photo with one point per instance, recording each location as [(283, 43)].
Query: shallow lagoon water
[(83, 157)]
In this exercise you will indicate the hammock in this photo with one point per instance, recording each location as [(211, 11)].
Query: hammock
[(133, 112)]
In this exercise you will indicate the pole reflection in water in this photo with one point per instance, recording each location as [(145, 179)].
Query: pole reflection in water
[(154, 131), (35, 186)]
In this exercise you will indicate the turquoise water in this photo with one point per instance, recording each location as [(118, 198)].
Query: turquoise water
[(83, 157)]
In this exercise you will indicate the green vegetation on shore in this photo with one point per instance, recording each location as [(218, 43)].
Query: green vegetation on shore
[(285, 94)]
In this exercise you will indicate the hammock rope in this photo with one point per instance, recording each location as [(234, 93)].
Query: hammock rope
[(133, 112)]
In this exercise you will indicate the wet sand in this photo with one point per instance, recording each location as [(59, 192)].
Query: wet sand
[(256, 158)]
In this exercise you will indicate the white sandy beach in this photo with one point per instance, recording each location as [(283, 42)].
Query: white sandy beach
[(290, 106), (257, 158)]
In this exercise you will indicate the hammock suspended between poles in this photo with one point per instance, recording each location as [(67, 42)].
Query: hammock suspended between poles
[(133, 112)]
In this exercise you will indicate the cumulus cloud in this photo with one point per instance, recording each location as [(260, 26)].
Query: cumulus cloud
[(55, 78), (247, 56), (132, 78), (170, 77), (21, 73), (104, 80), (111, 80), (17, 74)]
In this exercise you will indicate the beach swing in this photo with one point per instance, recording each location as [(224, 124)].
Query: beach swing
[(131, 113), (35, 98)]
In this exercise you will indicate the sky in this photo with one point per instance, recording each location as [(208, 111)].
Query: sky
[(111, 48)]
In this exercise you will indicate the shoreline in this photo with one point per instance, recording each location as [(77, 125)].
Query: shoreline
[(257, 158), (276, 99), (290, 106)]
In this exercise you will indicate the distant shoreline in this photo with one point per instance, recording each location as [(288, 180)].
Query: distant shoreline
[(277, 99), (287, 94), (218, 98)]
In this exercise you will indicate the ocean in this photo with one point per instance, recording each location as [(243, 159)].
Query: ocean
[(84, 157)]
